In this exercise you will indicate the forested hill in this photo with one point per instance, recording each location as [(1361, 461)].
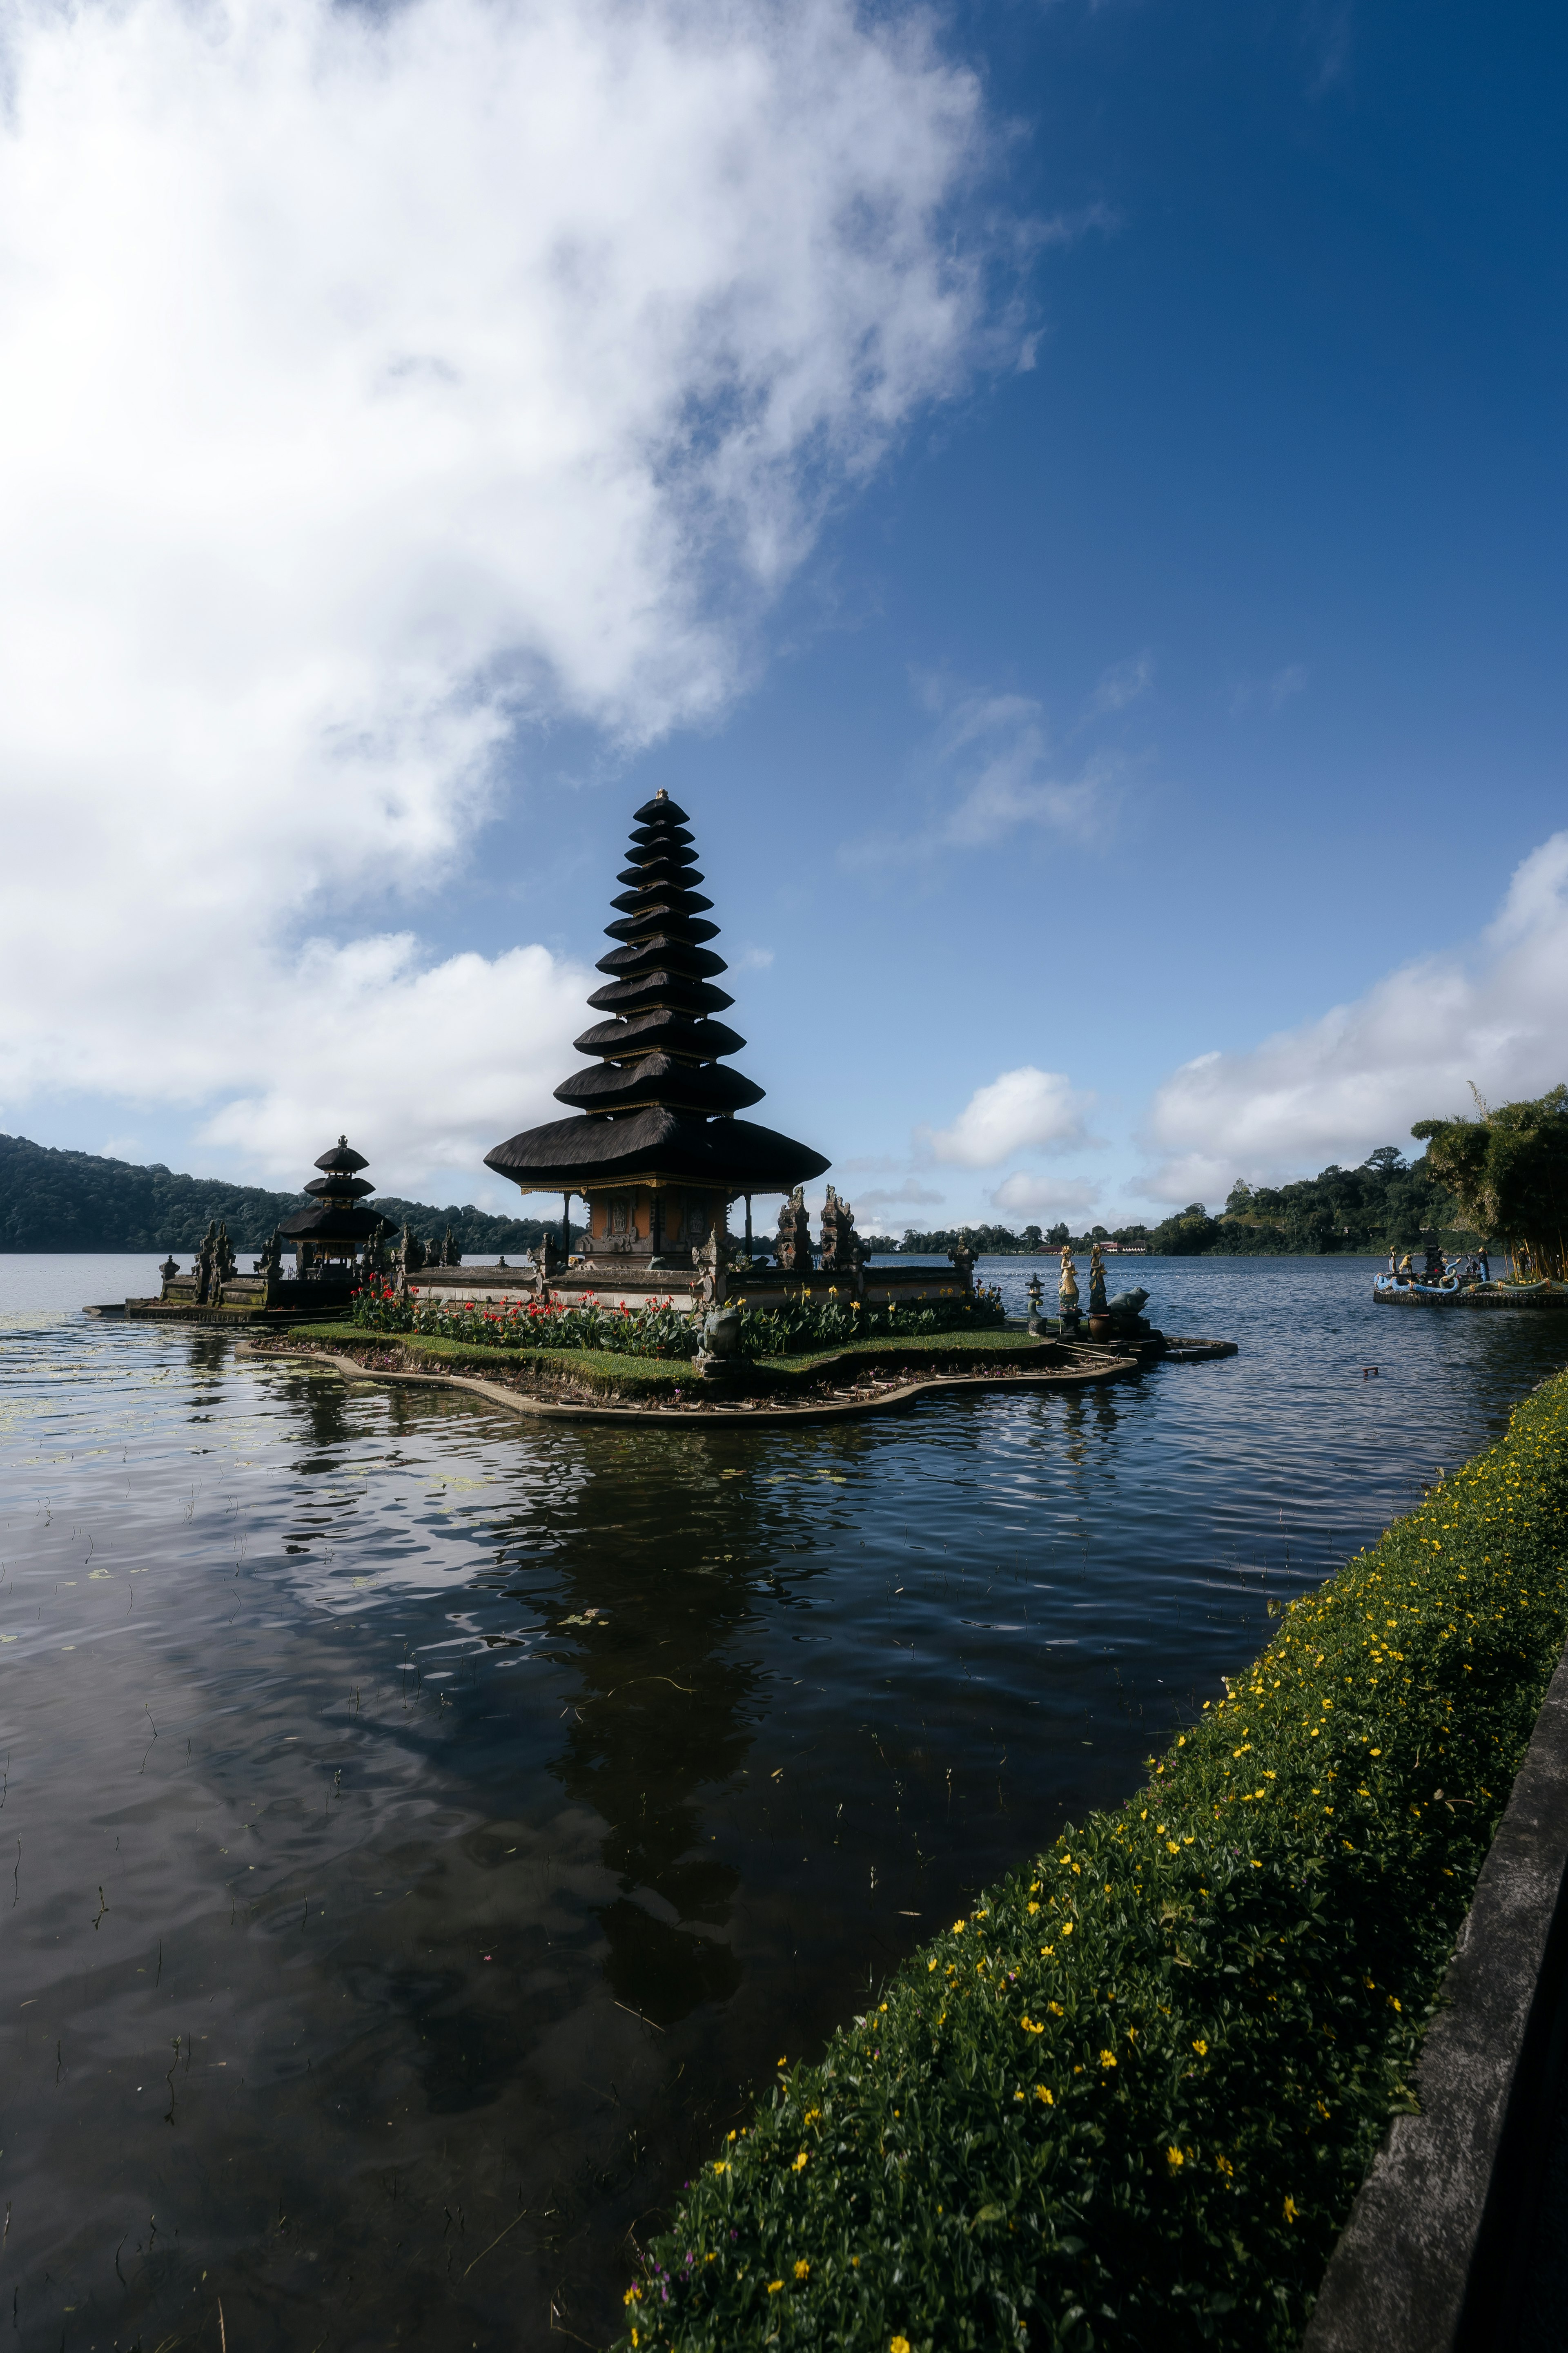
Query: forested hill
[(52, 1201)]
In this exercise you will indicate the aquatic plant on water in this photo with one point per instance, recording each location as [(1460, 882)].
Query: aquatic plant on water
[(663, 1329), (1127, 2100)]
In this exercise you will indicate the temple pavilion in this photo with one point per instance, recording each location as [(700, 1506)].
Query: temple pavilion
[(656, 1146)]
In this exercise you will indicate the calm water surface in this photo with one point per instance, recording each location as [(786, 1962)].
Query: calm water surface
[(423, 1832)]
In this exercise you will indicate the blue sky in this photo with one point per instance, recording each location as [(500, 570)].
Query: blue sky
[(1160, 661)]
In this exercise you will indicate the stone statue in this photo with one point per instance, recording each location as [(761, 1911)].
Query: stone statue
[(794, 1245), (712, 1264), (841, 1248), (207, 1258), (962, 1257), (452, 1250), (410, 1251), (169, 1271), (547, 1258), (720, 1349), (1067, 1293), (223, 1256), (1037, 1298), (1096, 1281)]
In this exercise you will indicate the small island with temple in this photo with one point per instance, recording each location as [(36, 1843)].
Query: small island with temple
[(663, 1306)]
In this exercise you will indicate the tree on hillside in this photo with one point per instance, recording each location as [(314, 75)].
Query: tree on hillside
[(1509, 1171), (1189, 1232)]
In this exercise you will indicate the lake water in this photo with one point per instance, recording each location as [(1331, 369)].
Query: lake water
[(424, 1831)]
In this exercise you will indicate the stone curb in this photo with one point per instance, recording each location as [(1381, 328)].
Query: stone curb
[(1108, 1368), (1432, 2257)]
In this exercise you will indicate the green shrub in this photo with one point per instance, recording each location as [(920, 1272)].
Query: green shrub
[(662, 1329), (1127, 2101)]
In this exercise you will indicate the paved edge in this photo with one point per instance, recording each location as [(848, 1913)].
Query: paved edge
[(1430, 2259), (1115, 1368)]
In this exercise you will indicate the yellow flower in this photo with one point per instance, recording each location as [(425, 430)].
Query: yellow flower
[(900, 2345), (802, 2269), (775, 2286), (958, 1927), (1034, 1907), (1041, 2093), (1108, 2058), (1066, 1927), (633, 2295), (720, 2169), (1202, 2049), (1175, 2157), (800, 2161), (1028, 2023), (1289, 2209)]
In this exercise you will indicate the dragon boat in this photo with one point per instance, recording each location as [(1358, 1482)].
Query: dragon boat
[(1469, 1290)]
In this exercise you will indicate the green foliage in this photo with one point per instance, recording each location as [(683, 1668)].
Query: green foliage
[(1381, 1204), (52, 1201), (1001, 1241), (1186, 1235), (1128, 2100), (662, 1329), (1509, 1170)]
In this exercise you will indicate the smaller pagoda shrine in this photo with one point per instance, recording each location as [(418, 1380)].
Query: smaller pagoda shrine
[(337, 1236), (337, 1242)]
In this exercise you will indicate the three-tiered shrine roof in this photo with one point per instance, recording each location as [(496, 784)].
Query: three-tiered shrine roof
[(336, 1220), (659, 1107)]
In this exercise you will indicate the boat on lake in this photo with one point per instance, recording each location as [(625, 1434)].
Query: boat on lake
[(1462, 1289)]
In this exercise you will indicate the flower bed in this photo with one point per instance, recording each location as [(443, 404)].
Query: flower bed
[(1128, 2100), (664, 1329)]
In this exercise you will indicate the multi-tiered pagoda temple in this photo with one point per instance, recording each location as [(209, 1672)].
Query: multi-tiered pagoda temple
[(656, 1146)]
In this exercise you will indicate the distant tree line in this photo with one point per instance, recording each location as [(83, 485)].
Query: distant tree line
[(54, 1201), (1386, 1203), (1001, 1241)]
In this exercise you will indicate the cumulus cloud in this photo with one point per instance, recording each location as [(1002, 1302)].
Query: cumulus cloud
[(1021, 1111), (1043, 1198), (378, 382), (910, 1194), (990, 772), (1336, 1087)]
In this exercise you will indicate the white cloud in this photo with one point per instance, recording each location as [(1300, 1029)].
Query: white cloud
[(1042, 1198), (910, 1194), (1022, 1110), (1273, 692), (1336, 1088), (504, 1025), (991, 773), (379, 381), (1125, 682)]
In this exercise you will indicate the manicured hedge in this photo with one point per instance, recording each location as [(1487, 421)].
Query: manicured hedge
[(1127, 2101)]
